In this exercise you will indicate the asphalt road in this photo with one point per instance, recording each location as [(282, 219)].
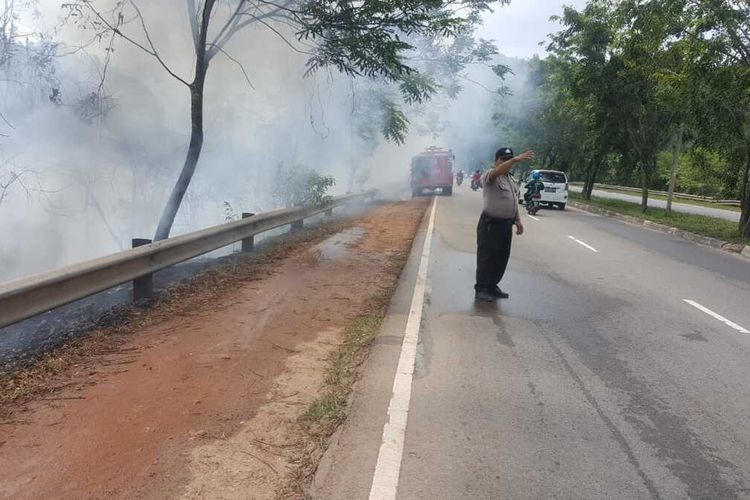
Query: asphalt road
[(719, 213), (596, 379)]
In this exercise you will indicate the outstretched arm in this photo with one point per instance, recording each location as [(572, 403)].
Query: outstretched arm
[(503, 167)]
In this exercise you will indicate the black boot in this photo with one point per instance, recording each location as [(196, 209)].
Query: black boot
[(484, 296)]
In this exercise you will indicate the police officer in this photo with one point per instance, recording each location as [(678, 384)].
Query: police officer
[(495, 228)]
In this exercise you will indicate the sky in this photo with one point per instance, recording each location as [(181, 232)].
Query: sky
[(519, 27)]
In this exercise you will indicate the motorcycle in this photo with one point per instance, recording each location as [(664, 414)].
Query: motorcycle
[(459, 178), (474, 184), (532, 203)]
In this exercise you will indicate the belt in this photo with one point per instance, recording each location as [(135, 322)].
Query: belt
[(498, 219)]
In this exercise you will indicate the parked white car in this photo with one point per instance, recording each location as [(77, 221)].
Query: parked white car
[(555, 192)]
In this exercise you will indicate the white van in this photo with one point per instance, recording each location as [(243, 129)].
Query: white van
[(555, 192)]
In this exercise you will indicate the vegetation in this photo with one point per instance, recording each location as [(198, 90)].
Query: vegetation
[(298, 185), (698, 224), (646, 93)]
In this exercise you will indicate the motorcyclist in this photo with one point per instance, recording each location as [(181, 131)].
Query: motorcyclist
[(459, 177), (534, 186), (476, 178)]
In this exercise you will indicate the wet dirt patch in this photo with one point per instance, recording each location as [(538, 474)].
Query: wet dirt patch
[(338, 245)]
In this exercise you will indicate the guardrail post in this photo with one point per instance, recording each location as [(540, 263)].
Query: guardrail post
[(329, 212), (249, 242), (143, 286), (296, 225)]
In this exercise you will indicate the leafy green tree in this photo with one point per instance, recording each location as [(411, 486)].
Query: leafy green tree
[(643, 45), (585, 67), (720, 87)]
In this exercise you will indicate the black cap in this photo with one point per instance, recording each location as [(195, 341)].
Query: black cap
[(503, 153)]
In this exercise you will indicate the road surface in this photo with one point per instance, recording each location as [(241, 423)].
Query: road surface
[(687, 208), (618, 368)]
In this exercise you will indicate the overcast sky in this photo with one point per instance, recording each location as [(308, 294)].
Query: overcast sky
[(519, 27)]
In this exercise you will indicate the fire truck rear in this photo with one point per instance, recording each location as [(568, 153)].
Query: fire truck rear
[(432, 170)]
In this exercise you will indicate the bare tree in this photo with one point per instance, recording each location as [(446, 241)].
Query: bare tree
[(357, 38), (12, 178)]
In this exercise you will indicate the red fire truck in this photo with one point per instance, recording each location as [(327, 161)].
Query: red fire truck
[(432, 169)]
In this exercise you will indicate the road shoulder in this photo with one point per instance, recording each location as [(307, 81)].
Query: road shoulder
[(347, 468)]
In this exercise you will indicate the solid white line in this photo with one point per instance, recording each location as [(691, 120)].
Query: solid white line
[(388, 467), (716, 316), (584, 244), (532, 217)]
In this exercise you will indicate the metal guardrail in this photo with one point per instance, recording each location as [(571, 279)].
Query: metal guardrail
[(26, 297), (685, 196)]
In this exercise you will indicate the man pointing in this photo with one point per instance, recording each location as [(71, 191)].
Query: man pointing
[(495, 229)]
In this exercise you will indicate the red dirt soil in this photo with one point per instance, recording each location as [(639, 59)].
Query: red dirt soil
[(126, 425)]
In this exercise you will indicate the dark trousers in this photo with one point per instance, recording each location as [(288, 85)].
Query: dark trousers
[(493, 250)]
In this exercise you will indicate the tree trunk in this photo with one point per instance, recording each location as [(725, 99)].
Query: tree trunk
[(103, 216), (191, 160), (676, 153), (353, 174), (592, 181), (745, 215), (645, 178), (547, 160), (591, 172), (587, 181), (202, 58)]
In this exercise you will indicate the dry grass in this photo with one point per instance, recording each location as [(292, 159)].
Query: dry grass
[(59, 368)]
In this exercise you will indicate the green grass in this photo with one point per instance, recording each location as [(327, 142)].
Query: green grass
[(698, 224), (342, 369), (684, 201)]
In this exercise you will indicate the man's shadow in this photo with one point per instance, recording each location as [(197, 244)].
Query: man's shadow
[(486, 309)]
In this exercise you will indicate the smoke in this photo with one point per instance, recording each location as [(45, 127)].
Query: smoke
[(103, 168)]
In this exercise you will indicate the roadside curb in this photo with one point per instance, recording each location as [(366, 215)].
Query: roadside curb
[(737, 249)]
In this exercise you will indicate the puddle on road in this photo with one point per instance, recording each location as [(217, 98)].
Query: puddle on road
[(337, 246)]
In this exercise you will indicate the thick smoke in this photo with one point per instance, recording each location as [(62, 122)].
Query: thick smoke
[(97, 171)]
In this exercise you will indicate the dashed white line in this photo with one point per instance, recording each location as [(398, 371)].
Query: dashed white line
[(532, 217), (388, 467), (716, 316), (583, 244)]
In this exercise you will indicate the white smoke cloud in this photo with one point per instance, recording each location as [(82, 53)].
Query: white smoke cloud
[(105, 181)]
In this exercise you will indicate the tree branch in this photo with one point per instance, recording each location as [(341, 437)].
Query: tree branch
[(133, 42), (233, 25), (233, 20), (283, 38), (235, 61), (151, 44), (193, 14), (2, 117)]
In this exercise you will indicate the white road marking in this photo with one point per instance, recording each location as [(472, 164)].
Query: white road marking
[(532, 217), (584, 244), (716, 316), (388, 467)]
